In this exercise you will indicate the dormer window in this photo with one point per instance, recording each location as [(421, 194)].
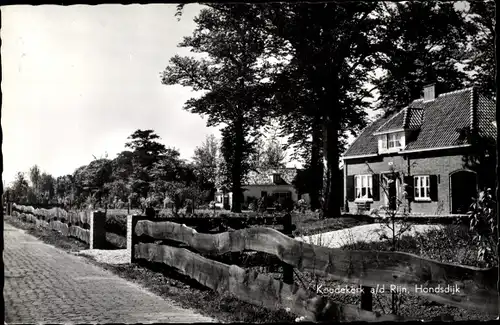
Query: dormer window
[(276, 178), (393, 141), (390, 142)]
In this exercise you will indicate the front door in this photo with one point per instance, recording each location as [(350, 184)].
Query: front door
[(389, 188), (463, 189)]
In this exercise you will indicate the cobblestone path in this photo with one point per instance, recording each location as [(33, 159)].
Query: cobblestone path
[(44, 284)]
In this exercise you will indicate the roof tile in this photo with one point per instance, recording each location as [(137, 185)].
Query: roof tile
[(263, 176), (396, 122), (437, 123)]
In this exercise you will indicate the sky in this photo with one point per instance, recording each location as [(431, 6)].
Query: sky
[(78, 80)]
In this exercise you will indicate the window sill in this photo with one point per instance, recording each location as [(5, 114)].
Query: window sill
[(363, 200), (395, 150), (422, 200)]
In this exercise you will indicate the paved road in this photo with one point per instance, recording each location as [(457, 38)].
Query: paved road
[(44, 284)]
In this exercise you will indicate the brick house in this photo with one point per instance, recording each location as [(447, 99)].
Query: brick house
[(418, 155), (261, 182)]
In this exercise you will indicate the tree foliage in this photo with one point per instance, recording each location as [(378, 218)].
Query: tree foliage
[(424, 42), (481, 55), (205, 164)]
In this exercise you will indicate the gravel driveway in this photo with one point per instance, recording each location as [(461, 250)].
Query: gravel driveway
[(366, 233)]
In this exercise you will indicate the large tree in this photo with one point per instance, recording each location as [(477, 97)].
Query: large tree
[(301, 121), (481, 54), (35, 177), (90, 181), (205, 164), (230, 77), (146, 151), (64, 188), (47, 183), (424, 42), (269, 152), (331, 48), (19, 188)]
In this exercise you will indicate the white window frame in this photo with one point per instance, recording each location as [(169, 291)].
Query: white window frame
[(422, 188), (363, 182), (391, 142), (283, 194)]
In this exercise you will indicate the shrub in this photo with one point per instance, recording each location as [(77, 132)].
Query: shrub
[(483, 223), (288, 204), (189, 206), (263, 204), (252, 206)]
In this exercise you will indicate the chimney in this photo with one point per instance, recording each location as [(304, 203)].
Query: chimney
[(429, 92)]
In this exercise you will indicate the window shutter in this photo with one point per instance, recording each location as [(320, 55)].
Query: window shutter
[(350, 188), (433, 187), (376, 187), (410, 190), (384, 141)]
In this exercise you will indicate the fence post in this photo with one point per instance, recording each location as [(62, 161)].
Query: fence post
[(287, 230), (131, 237), (150, 213), (366, 298), (97, 229)]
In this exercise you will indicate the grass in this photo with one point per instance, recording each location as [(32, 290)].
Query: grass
[(48, 236), (165, 281)]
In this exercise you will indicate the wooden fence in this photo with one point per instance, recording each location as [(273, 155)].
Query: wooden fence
[(153, 240), (87, 226)]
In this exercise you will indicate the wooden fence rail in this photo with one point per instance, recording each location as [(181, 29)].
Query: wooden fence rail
[(463, 286), (87, 226), (246, 285), (474, 287)]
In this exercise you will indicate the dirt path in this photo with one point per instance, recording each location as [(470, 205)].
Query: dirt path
[(44, 284)]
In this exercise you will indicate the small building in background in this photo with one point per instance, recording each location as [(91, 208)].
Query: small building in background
[(271, 182)]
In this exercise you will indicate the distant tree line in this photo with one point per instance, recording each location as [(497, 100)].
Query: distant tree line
[(147, 174)]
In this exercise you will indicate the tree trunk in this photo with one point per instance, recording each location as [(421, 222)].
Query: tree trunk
[(316, 166), (236, 168), (332, 204)]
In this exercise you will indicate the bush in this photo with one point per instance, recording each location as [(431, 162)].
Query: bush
[(483, 223), (262, 204), (302, 206), (288, 204), (252, 206), (189, 206)]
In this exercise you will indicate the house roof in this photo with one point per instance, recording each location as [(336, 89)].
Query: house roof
[(367, 142), (486, 117), (437, 123), (414, 118), (262, 176), (396, 122)]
